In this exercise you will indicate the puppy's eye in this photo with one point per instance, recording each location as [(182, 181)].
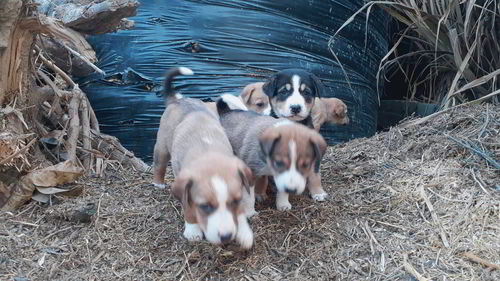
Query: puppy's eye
[(305, 165), (260, 104), (279, 164), (206, 208)]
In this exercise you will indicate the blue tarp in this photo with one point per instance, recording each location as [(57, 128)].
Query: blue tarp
[(228, 44)]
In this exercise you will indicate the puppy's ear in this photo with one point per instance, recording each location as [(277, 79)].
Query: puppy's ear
[(246, 177), (267, 141), (247, 92), (269, 88), (181, 189), (319, 88), (319, 147)]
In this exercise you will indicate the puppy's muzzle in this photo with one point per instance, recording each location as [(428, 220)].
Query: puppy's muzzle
[(295, 109)]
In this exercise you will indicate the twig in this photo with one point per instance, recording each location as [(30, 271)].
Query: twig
[(481, 261), (87, 145), (84, 59), (74, 124), (486, 122), (54, 67), (6, 160), (434, 216), (478, 182), (409, 268), (56, 232)]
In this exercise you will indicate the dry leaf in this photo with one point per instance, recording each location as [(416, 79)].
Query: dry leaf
[(62, 173), (40, 197)]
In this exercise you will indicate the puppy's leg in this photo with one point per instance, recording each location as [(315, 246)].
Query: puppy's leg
[(261, 188), (244, 236), (282, 203), (161, 157), (248, 202), (192, 231), (315, 188)]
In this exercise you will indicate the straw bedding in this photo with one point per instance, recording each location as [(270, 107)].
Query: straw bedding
[(416, 203)]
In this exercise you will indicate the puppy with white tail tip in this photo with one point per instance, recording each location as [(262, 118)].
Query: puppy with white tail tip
[(211, 183), (287, 151)]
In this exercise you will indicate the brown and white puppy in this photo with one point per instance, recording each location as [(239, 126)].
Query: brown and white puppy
[(209, 180), (255, 99), (325, 110), (329, 110), (287, 151), (292, 94)]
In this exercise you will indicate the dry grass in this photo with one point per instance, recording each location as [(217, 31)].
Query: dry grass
[(405, 205), (453, 52)]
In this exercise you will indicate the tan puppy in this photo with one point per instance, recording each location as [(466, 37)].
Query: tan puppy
[(209, 180), (255, 99), (287, 151), (329, 110)]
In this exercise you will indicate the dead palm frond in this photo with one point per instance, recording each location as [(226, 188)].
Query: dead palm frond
[(457, 38)]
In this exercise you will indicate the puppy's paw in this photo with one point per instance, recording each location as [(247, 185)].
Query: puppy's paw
[(244, 236), (192, 232), (320, 197), (159, 185), (251, 213), (283, 206), (260, 197)]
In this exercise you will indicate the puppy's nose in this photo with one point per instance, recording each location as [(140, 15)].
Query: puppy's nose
[(224, 238), (295, 109), (291, 191)]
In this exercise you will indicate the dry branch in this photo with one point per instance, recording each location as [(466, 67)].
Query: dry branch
[(410, 269), (434, 216), (22, 150), (54, 67), (74, 124), (84, 59), (481, 261), (115, 151), (87, 145)]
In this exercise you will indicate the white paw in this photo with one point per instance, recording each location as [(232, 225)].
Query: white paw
[(320, 197), (285, 206), (192, 232), (244, 237), (159, 185), (282, 203), (251, 213)]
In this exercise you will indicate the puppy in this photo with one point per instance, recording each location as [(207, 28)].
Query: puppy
[(292, 94), (325, 110), (329, 110), (255, 99), (287, 151), (209, 180)]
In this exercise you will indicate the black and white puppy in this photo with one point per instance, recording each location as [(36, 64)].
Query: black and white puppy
[(291, 94)]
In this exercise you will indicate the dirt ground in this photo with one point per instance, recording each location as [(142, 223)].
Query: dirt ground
[(407, 204)]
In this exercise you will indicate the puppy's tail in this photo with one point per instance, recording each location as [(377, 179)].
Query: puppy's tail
[(228, 102), (168, 89)]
